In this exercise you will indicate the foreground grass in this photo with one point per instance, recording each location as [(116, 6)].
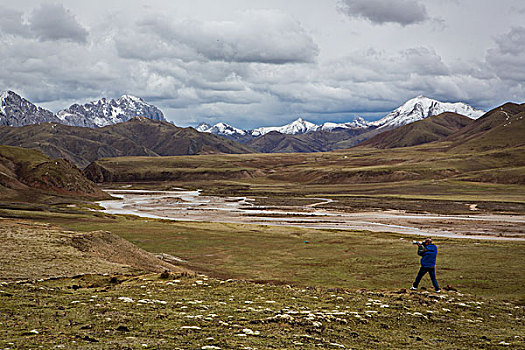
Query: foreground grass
[(319, 258), (183, 312)]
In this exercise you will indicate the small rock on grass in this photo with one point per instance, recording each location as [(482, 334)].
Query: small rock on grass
[(122, 328)]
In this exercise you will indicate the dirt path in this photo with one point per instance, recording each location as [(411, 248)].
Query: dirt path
[(191, 206)]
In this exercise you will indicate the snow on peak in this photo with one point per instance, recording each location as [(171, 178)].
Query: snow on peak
[(109, 111), (3, 97), (298, 126), (358, 123), (421, 107), (220, 129), (225, 129), (131, 98), (203, 127)]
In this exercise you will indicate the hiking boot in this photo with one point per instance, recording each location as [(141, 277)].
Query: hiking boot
[(413, 288), (438, 291)]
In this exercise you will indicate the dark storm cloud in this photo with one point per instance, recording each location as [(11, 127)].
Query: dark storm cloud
[(403, 12), (54, 22)]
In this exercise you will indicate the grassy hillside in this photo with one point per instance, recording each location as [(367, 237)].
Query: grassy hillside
[(427, 130), (26, 175), (501, 128)]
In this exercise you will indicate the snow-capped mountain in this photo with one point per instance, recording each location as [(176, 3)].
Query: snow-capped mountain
[(107, 112), (358, 123), (298, 126), (220, 129), (422, 107), (17, 111)]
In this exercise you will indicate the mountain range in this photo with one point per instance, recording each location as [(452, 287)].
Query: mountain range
[(139, 136), (415, 109), (304, 136), (98, 133), (17, 111)]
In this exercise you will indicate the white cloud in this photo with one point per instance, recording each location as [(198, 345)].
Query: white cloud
[(256, 36)]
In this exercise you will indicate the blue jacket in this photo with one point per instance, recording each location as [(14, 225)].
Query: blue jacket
[(428, 255)]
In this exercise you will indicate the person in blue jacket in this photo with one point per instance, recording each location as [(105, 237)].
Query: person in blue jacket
[(428, 252)]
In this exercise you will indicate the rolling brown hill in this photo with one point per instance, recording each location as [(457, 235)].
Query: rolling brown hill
[(502, 127), (427, 130), (26, 174), (136, 137)]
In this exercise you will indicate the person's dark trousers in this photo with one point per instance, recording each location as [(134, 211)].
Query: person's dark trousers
[(431, 271)]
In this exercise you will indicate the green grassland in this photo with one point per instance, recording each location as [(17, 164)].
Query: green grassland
[(185, 312), (310, 257)]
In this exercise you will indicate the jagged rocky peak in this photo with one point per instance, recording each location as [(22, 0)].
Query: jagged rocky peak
[(17, 111), (107, 112), (421, 107)]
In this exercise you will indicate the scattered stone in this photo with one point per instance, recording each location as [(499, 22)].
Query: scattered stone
[(90, 339), (248, 331), (126, 299), (165, 274), (450, 287), (122, 328), (191, 327)]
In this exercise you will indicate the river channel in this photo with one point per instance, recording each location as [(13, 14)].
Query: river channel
[(184, 205)]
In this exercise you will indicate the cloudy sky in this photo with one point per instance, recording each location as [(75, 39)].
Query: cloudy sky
[(258, 63)]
